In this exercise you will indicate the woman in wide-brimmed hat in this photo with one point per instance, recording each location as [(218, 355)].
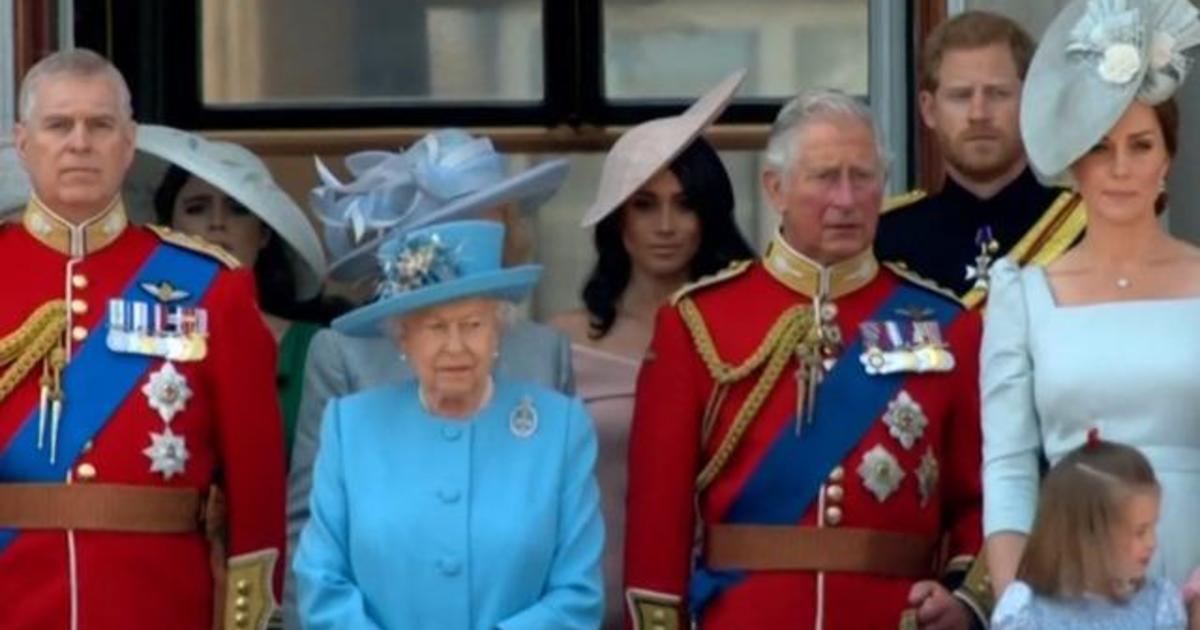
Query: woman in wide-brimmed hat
[(447, 175), (663, 216), (223, 193), (458, 499), (1105, 337)]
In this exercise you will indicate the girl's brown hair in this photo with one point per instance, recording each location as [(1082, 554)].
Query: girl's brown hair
[(1070, 550)]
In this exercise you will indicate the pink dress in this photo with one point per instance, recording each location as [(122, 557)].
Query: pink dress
[(606, 383)]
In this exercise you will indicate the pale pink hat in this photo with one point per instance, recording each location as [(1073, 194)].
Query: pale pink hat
[(649, 147)]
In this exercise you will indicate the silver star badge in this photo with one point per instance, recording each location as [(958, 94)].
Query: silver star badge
[(927, 476), (167, 452), (905, 420), (880, 472), (167, 392)]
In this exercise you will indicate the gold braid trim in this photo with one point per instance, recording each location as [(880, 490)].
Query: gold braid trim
[(722, 372), (786, 334), (37, 338)]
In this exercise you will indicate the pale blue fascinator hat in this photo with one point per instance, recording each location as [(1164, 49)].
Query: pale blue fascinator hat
[(436, 265), (1095, 59), (446, 175)]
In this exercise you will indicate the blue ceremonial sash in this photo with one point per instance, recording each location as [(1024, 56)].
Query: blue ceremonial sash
[(97, 380), (849, 402)]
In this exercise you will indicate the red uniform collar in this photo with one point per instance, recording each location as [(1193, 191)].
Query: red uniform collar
[(75, 241), (808, 277)]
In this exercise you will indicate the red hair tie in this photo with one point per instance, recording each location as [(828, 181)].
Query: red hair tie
[(1093, 437)]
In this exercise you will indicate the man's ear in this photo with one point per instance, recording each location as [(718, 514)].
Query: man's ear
[(925, 102), (772, 185), (21, 139)]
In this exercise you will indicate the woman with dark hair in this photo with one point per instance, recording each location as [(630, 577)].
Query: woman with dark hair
[(223, 193), (663, 217), (253, 244)]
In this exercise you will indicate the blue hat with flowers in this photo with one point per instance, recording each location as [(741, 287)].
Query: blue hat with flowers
[(435, 265), (1095, 59), (447, 175)]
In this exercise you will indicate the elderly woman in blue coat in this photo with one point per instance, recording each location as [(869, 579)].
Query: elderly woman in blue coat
[(455, 500)]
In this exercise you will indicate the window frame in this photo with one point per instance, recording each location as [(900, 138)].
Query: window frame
[(165, 78)]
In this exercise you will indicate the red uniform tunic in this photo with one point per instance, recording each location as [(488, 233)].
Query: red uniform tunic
[(937, 495), (94, 580)]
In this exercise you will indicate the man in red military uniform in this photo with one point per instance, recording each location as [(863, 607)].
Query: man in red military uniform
[(137, 375), (806, 437)]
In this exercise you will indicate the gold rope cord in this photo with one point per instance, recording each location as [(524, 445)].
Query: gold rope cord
[(722, 372), (34, 340), (788, 332)]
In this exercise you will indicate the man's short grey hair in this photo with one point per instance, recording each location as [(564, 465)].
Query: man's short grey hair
[(76, 62), (812, 106)]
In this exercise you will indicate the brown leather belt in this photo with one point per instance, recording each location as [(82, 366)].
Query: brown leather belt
[(792, 548), (101, 507)]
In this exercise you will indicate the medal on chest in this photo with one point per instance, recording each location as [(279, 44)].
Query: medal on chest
[(158, 329), (167, 393), (914, 344), (988, 247)]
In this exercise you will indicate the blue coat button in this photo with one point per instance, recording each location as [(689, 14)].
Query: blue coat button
[(449, 566)]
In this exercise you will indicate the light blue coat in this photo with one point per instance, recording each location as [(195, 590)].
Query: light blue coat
[(423, 522), (339, 365)]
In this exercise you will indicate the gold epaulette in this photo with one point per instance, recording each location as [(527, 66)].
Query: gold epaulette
[(909, 275), (195, 244), (733, 270), (895, 202)]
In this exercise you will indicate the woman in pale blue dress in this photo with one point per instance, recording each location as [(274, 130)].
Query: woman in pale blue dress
[(456, 501), (1109, 335)]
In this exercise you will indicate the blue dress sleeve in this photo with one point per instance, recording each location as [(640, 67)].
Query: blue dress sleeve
[(1015, 611), (1169, 613), (573, 598), (1011, 436), (328, 598)]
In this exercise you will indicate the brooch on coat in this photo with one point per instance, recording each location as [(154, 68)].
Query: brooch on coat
[(912, 345), (523, 421)]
